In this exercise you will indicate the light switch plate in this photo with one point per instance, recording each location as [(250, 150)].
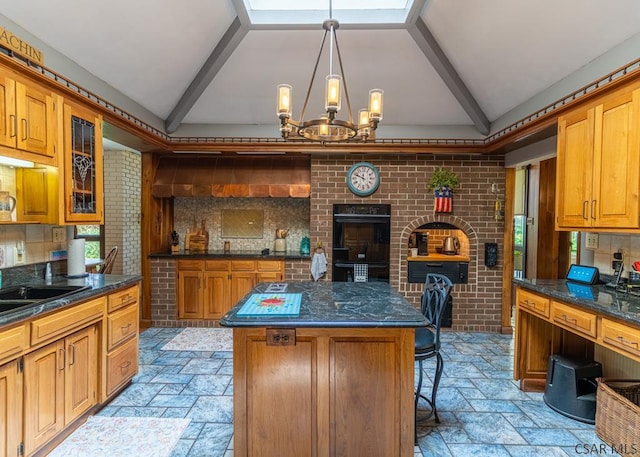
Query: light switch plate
[(59, 234), (591, 241)]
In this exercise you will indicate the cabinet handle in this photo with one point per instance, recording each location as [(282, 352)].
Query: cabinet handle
[(125, 328), (627, 343), (584, 209), (72, 354), (62, 359), (125, 365), (14, 125), (572, 320), (593, 209), (529, 304), (25, 129)]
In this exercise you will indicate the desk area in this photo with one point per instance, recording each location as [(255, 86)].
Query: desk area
[(556, 317), (337, 379)]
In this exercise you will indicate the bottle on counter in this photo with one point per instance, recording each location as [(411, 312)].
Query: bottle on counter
[(48, 276)]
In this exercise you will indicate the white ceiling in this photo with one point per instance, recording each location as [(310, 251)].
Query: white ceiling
[(504, 51)]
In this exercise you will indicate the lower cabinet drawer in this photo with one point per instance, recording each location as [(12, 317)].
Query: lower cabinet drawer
[(621, 337), (574, 319), (12, 342), (67, 320), (122, 365), (533, 303), (121, 326), (123, 298), (243, 265)]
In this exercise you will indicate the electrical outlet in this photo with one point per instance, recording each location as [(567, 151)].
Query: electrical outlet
[(592, 241), (59, 234)]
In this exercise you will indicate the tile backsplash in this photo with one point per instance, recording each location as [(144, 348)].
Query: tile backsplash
[(37, 240), (609, 243), (279, 213)]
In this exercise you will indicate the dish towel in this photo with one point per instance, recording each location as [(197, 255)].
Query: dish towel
[(318, 265)]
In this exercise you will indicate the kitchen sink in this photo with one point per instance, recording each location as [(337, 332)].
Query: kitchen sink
[(17, 297)]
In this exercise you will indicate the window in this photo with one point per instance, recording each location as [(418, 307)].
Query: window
[(94, 240), (268, 12)]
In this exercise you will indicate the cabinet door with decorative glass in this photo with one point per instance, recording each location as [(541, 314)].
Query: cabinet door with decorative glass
[(83, 179)]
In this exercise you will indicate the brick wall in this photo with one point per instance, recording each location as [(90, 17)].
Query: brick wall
[(164, 310), (477, 305), (122, 202)]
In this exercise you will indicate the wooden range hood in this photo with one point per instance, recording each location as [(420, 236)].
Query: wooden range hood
[(233, 176)]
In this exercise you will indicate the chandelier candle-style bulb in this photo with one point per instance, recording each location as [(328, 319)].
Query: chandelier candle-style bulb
[(284, 100), (363, 117), (375, 104), (323, 129), (333, 93)]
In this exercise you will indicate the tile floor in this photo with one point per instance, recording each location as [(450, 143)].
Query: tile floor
[(481, 409)]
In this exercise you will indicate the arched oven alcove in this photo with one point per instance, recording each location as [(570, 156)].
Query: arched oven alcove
[(461, 266)]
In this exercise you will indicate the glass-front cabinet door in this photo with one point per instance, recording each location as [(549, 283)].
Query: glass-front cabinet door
[(83, 175)]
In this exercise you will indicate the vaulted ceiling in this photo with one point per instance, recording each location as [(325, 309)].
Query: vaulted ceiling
[(451, 68)]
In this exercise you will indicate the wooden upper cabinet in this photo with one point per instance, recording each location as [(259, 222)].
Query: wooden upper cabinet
[(36, 120), (83, 167), (598, 174), (27, 120), (8, 120), (574, 169)]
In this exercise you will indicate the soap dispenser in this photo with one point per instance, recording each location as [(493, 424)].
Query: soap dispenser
[(48, 277)]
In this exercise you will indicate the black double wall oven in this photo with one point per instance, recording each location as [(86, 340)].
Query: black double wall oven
[(361, 242)]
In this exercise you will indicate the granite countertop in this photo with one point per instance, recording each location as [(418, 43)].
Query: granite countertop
[(601, 299), (213, 254), (96, 285), (337, 304)]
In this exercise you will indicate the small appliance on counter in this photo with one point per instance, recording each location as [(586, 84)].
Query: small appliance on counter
[(451, 245), (280, 245), (423, 244), (618, 268)]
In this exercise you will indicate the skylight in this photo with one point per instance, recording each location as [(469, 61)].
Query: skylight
[(293, 12)]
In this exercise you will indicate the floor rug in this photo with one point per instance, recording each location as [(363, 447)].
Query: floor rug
[(201, 339), (119, 436)]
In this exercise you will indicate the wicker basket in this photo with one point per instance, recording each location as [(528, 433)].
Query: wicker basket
[(618, 414)]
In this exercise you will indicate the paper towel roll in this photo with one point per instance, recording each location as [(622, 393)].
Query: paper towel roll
[(75, 259)]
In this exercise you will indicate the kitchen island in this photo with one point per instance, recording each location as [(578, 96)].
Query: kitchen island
[(337, 379)]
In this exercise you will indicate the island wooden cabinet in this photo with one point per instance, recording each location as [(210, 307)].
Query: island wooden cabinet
[(27, 120), (60, 385), (318, 396), (11, 379), (598, 165), (207, 289)]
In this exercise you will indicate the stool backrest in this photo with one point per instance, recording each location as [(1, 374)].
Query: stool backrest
[(437, 290)]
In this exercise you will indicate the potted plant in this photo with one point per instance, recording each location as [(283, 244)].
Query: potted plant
[(443, 183)]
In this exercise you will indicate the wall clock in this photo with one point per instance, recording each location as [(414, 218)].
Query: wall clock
[(363, 179)]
